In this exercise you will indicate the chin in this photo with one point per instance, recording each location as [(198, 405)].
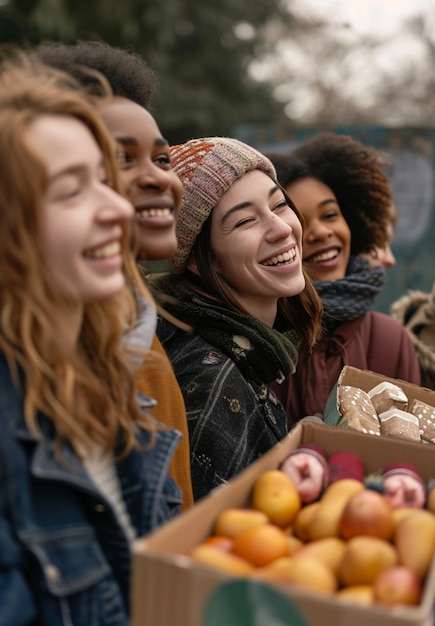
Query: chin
[(158, 250), (326, 276)]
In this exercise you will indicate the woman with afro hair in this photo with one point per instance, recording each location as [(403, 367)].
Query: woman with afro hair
[(343, 193)]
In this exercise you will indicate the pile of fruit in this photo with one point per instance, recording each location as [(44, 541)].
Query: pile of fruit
[(350, 543)]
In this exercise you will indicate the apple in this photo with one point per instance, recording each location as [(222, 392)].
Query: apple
[(397, 585), (367, 513), (261, 545)]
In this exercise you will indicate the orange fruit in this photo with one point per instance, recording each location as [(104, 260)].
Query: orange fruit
[(219, 541), (261, 545)]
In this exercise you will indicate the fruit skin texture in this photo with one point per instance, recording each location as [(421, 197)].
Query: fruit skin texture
[(219, 541), (399, 514), (414, 538), (359, 594), (430, 499), (219, 559), (305, 572), (397, 585), (232, 522), (328, 551), (342, 490), (261, 545), (300, 523), (367, 513), (364, 558), (294, 543), (275, 494), (325, 520)]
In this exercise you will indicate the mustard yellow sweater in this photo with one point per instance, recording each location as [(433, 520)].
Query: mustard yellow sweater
[(156, 379)]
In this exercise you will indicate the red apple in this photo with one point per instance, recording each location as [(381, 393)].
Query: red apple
[(397, 585), (367, 513)]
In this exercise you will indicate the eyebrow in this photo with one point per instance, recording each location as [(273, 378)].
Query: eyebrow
[(243, 205), (327, 201), (133, 141), (75, 170)]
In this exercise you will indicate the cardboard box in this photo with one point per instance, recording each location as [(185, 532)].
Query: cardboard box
[(366, 380), (169, 589)]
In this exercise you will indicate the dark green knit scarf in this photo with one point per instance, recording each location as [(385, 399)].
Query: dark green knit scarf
[(263, 354)]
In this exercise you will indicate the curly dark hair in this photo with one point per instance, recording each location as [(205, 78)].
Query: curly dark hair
[(356, 175), (128, 74)]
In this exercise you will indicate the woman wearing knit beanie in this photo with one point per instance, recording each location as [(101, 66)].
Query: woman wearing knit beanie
[(238, 282), (344, 195), (155, 192)]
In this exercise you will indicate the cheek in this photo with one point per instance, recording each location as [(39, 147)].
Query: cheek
[(345, 233), (177, 190)]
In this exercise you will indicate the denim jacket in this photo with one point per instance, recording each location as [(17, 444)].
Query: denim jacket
[(232, 420), (64, 559)]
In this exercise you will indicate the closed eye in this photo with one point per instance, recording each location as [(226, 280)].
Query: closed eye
[(243, 222), (331, 215), (282, 205)]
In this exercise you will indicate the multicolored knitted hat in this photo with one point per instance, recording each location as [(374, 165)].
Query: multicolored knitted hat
[(207, 168)]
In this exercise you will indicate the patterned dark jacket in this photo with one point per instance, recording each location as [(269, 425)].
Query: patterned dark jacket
[(232, 421)]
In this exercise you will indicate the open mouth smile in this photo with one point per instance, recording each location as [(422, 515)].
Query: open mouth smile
[(104, 252), (322, 257), (154, 212), (281, 259)]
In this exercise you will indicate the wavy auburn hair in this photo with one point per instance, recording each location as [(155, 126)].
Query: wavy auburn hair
[(87, 391)]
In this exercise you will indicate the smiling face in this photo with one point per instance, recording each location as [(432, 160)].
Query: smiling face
[(83, 219), (326, 239), (256, 238), (152, 186)]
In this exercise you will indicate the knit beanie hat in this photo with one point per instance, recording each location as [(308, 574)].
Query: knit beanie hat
[(207, 168), (406, 469)]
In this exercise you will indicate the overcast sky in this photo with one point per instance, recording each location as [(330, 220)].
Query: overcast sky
[(378, 17)]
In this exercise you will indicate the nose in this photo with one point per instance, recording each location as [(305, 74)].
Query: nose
[(388, 258), (113, 206), (278, 228), (315, 230), (151, 175)]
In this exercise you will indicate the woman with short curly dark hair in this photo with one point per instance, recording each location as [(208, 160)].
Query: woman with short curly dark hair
[(342, 191)]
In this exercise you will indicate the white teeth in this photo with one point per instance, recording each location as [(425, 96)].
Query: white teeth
[(282, 259), (154, 212), (325, 256), (105, 251)]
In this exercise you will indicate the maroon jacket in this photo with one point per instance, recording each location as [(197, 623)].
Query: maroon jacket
[(374, 342)]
